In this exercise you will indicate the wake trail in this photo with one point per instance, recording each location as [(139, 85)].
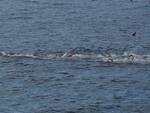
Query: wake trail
[(109, 55)]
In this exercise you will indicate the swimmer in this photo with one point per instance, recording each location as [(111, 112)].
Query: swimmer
[(134, 34), (131, 58), (110, 60), (109, 57)]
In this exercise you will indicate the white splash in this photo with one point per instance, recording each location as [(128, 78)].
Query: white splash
[(126, 57)]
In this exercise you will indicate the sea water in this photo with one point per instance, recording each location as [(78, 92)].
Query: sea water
[(74, 56)]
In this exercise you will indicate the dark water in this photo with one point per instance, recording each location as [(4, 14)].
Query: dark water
[(77, 56)]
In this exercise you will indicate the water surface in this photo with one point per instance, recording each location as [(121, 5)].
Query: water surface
[(60, 56)]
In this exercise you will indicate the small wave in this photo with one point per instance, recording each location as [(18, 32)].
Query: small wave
[(102, 56)]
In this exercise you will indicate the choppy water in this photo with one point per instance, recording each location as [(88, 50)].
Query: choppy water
[(77, 56)]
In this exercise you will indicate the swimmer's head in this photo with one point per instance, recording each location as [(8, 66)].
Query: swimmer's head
[(131, 58)]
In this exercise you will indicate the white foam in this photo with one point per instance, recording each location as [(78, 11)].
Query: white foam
[(126, 57), (3, 53)]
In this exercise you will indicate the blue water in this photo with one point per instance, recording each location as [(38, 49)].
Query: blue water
[(77, 56)]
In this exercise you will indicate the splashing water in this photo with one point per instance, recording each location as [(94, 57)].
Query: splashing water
[(108, 55)]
